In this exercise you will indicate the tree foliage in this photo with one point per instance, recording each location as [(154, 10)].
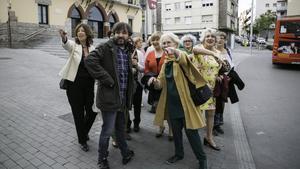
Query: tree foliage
[(264, 21)]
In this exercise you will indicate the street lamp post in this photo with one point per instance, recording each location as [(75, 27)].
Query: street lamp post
[(8, 24), (251, 27)]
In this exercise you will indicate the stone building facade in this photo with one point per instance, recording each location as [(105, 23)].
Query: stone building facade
[(22, 22)]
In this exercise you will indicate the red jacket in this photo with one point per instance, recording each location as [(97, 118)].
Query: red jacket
[(151, 64)]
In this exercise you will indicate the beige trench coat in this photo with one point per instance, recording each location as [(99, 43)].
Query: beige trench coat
[(193, 115)]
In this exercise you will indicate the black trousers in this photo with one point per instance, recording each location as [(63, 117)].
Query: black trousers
[(218, 119), (81, 98), (194, 139), (137, 102)]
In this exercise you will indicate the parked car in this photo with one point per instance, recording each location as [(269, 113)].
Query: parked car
[(261, 41), (245, 42)]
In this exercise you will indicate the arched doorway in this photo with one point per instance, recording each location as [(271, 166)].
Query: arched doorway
[(76, 14), (95, 20), (112, 19), (75, 20)]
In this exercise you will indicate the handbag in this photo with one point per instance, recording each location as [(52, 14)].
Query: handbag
[(63, 84), (199, 95)]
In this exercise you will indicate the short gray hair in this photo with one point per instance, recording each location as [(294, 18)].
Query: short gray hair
[(188, 37), (172, 36), (206, 31)]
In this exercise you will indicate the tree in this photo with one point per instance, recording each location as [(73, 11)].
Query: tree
[(263, 23)]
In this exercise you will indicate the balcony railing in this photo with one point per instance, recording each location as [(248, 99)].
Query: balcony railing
[(281, 8)]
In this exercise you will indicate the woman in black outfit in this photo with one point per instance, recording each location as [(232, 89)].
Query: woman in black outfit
[(80, 90)]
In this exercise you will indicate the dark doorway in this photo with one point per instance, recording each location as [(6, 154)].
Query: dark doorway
[(95, 20), (75, 20)]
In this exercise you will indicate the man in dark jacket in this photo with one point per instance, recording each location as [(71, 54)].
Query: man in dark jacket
[(110, 63)]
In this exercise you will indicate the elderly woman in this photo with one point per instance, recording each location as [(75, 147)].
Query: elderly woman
[(187, 42), (153, 64), (175, 102), (209, 66)]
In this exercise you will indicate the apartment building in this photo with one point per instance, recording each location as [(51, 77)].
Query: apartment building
[(281, 9), (262, 6), (193, 16)]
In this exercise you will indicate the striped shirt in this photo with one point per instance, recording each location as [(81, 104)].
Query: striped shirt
[(122, 68)]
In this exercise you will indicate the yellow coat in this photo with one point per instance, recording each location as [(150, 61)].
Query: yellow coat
[(194, 118)]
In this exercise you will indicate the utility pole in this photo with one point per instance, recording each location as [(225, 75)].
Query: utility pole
[(251, 27), (8, 25)]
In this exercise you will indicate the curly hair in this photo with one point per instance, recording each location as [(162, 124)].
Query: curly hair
[(188, 37), (88, 33)]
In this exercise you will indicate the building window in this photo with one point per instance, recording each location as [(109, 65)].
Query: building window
[(274, 5), (168, 7), (75, 20), (211, 4), (177, 5), (188, 4), (267, 5), (95, 20), (207, 18), (130, 1), (130, 22), (188, 20), (43, 14), (168, 21), (177, 20)]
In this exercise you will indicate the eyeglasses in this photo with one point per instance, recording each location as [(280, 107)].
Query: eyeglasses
[(187, 41)]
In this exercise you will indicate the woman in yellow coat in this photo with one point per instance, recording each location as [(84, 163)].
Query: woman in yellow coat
[(175, 102)]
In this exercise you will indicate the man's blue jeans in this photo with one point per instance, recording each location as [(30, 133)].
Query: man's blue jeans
[(112, 121)]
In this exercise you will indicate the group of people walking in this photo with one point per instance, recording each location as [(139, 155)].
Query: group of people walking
[(122, 69)]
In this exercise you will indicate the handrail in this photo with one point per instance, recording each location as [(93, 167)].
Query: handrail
[(33, 34)]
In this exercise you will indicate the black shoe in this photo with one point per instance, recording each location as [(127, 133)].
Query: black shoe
[(128, 130), (215, 133), (207, 143), (219, 130), (173, 159), (127, 136), (103, 164), (87, 138), (170, 138), (84, 147), (136, 129), (160, 132), (128, 157)]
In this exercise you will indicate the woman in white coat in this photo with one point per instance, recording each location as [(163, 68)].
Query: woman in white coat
[(80, 84)]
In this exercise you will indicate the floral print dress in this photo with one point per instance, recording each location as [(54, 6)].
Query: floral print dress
[(209, 69)]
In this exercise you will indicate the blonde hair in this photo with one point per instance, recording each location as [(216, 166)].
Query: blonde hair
[(206, 31), (220, 33), (155, 35), (172, 36), (137, 39)]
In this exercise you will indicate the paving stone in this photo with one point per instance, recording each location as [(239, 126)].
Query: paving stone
[(36, 162), (22, 162)]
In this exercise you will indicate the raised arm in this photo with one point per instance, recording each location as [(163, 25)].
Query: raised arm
[(66, 44), (199, 49)]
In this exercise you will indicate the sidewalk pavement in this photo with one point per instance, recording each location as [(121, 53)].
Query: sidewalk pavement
[(37, 130)]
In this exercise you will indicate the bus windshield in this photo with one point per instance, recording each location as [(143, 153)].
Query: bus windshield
[(290, 27)]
